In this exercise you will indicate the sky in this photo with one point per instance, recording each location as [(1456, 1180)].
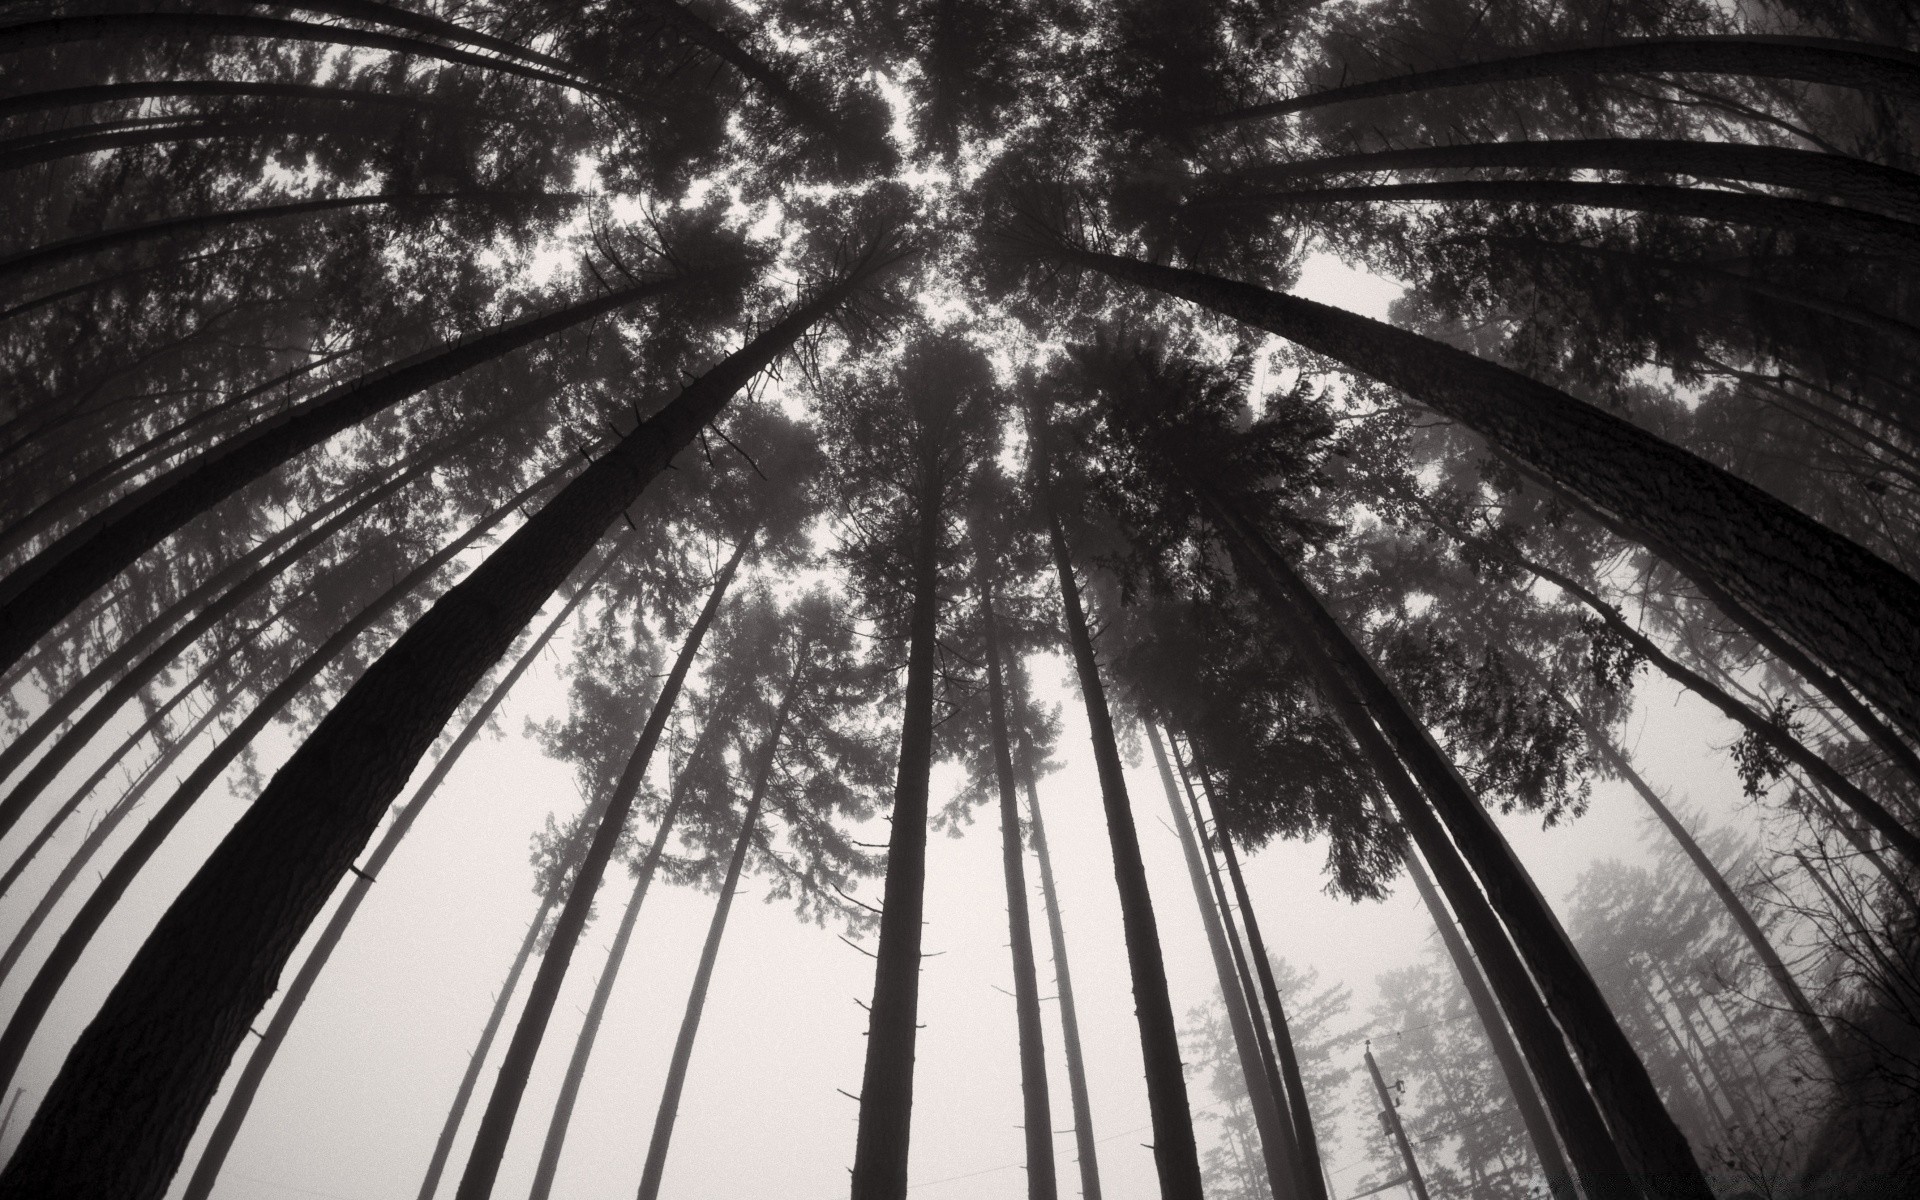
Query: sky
[(352, 1106)]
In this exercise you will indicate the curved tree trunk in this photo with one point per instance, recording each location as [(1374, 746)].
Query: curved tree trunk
[(886, 1089), (1895, 191), (1263, 1091), (207, 1171), (1036, 1107), (40, 994), (676, 1081), (1513, 1071), (14, 155), (215, 89), (59, 578), (1083, 1139), (1866, 231), (120, 1113), (1865, 66), (496, 1123), (1656, 1152), (1175, 1155), (1849, 609)]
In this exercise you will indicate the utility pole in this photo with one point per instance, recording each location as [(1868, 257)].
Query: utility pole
[(1390, 1116)]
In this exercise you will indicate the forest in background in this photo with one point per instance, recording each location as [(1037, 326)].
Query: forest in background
[(806, 369)]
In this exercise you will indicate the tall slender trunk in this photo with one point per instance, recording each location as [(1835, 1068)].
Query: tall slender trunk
[(56, 580), (496, 1123), (676, 1080), (1777, 736), (470, 1078), (124, 1105), (219, 89), (1175, 1155), (1513, 1071), (886, 1088), (710, 737), (1304, 1138), (207, 1171), (1847, 608), (1888, 188), (1861, 65), (1710, 1112), (1083, 1139), (40, 994), (1390, 1117), (1036, 1105), (1867, 231), (1616, 760), (378, 13), (19, 153), (1656, 1151), (1263, 1090)]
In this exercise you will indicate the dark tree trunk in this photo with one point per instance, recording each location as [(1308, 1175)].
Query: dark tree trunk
[(676, 1080), (886, 1090), (55, 581), (1175, 1155), (496, 1123), (120, 1113), (1890, 189), (19, 153), (1849, 609), (207, 1171), (1797, 1001), (377, 13), (1860, 65), (1312, 1185), (1513, 1071), (1077, 1096), (1656, 1152), (1263, 1089), (1867, 231), (1036, 1103), (218, 89), (40, 994), (1777, 736)]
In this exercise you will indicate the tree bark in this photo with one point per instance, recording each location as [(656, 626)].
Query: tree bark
[(120, 1113), (1616, 760), (40, 994), (1083, 1139), (207, 1171), (218, 89), (55, 581), (1890, 189), (1513, 1070), (20, 153), (496, 1123), (1036, 1104), (676, 1081), (886, 1089), (1864, 66), (1656, 1152), (1175, 1155), (1263, 1091), (1846, 607)]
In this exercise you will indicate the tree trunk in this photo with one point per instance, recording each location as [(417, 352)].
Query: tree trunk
[(1849, 609), (15, 156), (676, 1081), (1656, 1152), (1175, 1155), (496, 1123), (1036, 1103), (40, 994), (1304, 1138), (114, 93), (121, 1111), (886, 1089), (1860, 65), (1779, 737), (1890, 189), (1867, 231), (207, 1171), (443, 1147), (1816, 1030), (377, 13), (556, 1140), (1263, 1090), (1078, 1099), (55, 581)]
